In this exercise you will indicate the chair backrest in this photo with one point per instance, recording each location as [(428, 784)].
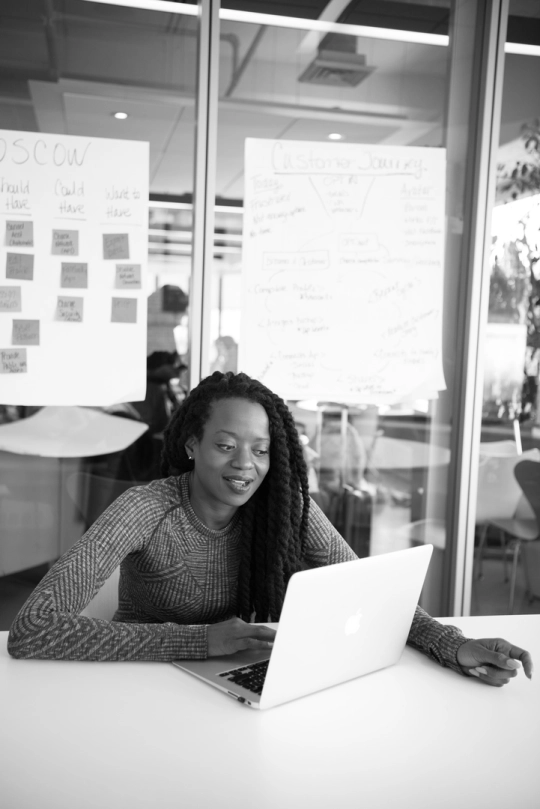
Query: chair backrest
[(498, 490), (527, 474)]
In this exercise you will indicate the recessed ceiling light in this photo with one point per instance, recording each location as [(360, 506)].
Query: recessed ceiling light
[(335, 136), (120, 115)]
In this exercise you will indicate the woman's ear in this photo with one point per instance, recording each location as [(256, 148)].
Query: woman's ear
[(188, 446)]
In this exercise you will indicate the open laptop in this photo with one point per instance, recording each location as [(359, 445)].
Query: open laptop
[(337, 623)]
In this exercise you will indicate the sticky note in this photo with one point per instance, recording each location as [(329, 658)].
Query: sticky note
[(115, 245), (69, 310), (25, 333), (128, 276), (65, 243), (13, 361), (74, 276), (10, 299), (20, 266), (19, 234), (124, 310)]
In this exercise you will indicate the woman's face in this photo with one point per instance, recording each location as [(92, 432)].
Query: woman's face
[(233, 456)]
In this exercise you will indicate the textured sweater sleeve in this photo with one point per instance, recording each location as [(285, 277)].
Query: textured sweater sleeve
[(325, 546), (49, 625)]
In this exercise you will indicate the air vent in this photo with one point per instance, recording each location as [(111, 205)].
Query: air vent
[(337, 69), (337, 64)]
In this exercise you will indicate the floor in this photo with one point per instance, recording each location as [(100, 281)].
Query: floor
[(489, 594)]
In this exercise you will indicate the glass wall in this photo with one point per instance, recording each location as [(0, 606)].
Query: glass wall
[(382, 271), (507, 553), (378, 462), (98, 71)]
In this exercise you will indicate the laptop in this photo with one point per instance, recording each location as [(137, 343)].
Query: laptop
[(338, 622)]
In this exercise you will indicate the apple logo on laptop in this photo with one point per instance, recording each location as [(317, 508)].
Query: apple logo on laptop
[(352, 623)]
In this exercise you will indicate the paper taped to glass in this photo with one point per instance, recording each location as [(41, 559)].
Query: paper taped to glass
[(343, 251)]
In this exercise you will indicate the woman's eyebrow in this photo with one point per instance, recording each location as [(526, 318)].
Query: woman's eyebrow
[(235, 435)]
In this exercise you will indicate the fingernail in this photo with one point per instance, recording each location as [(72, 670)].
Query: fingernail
[(513, 664), (481, 670), (474, 672)]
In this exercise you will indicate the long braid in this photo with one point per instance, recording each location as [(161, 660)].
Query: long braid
[(275, 519)]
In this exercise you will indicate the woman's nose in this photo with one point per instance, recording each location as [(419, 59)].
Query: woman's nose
[(242, 458)]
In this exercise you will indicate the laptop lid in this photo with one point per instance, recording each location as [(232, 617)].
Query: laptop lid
[(338, 622)]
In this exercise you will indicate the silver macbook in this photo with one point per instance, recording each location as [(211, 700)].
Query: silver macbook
[(337, 623)]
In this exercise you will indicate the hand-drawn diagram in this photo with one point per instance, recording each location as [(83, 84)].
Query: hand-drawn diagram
[(343, 262)]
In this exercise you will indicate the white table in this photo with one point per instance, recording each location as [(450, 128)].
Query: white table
[(130, 735)]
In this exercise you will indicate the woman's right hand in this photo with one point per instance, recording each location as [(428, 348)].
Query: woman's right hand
[(235, 635)]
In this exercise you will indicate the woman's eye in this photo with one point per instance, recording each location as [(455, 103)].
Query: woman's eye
[(261, 452), (225, 446)]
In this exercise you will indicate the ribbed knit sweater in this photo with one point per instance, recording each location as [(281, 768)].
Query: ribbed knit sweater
[(176, 577)]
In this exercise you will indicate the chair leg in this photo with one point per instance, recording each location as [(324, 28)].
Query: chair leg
[(480, 551), (502, 540), (515, 559)]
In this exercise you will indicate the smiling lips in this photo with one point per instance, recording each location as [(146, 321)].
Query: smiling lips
[(238, 484)]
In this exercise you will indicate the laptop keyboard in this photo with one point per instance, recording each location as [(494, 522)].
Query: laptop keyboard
[(250, 677)]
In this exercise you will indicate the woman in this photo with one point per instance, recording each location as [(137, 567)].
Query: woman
[(211, 547)]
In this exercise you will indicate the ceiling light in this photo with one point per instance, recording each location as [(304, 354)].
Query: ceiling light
[(121, 116), (521, 49), (278, 21), (335, 136)]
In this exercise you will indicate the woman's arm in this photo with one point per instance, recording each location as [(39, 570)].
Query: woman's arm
[(49, 625), (325, 546)]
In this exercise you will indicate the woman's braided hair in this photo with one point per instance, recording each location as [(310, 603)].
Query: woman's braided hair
[(275, 518)]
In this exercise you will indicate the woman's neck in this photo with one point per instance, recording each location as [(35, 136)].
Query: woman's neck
[(215, 516)]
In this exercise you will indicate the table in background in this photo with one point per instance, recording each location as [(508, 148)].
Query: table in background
[(130, 735)]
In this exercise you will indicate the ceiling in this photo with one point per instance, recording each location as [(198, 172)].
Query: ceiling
[(67, 65)]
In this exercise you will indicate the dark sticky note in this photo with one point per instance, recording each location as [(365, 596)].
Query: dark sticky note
[(70, 310), (10, 299), (74, 276), (20, 266), (115, 245), (124, 310), (65, 243), (25, 333), (13, 361), (19, 234), (128, 276)]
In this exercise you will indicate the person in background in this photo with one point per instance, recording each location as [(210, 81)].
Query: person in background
[(209, 549)]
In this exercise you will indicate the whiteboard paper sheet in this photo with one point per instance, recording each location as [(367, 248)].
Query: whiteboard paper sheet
[(68, 207), (342, 270)]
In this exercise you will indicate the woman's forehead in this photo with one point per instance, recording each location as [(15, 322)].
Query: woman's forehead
[(239, 417)]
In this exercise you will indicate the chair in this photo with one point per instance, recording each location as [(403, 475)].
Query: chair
[(500, 498), (527, 474), (523, 525), (93, 494)]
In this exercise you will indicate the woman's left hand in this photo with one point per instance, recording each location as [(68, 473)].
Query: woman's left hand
[(493, 660)]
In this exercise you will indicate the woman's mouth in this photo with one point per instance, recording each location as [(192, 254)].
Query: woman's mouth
[(239, 485)]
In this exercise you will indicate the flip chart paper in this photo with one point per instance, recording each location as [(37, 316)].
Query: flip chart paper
[(128, 276), (115, 245), (25, 333), (10, 299), (70, 310), (13, 361), (124, 310), (19, 234), (74, 276), (65, 243), (20, 266), (60, 202), (342, 270)]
